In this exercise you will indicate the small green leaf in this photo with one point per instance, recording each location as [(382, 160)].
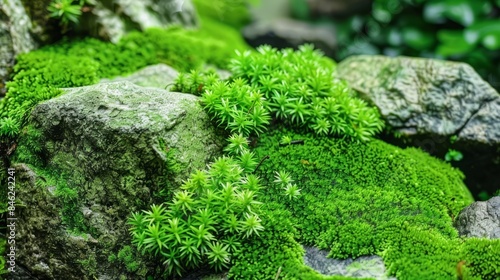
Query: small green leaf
[(417, 39)]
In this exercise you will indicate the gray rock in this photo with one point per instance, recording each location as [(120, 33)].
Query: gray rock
[(480, 219), (422, 96), (117, 144), (362, 267), (111, 19), (289, 33), (156, 76), (15, 36)]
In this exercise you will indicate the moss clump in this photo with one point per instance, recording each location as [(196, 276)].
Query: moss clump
[(295, 87), (206, 220), (363, 199), (39, 75)]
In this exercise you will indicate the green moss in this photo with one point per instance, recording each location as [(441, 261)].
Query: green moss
[(39, 75), (295, 87), (481, 258), (127, 257), (364, 199)]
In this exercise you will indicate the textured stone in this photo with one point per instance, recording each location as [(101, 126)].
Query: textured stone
[(480, 219), (362, 267), (107, 139), (422, 96)]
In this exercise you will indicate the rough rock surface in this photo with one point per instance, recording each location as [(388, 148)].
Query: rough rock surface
[(480, 219), (362, 267), (15, 36), (289, 33), (418, 96), (117, 145), (428, 101)]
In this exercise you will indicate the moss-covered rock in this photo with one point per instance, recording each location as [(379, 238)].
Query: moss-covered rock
[(98, 153)]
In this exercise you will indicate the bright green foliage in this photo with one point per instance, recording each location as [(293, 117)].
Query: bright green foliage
[(194, 81), (67, 11), (237, 106), (453, 155), (364, 199), (301, 90), (177, 47), (295, 87), (481, 258), (127, 256), (206, 219)]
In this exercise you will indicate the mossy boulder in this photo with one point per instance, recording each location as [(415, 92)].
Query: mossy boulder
[(96, 154)]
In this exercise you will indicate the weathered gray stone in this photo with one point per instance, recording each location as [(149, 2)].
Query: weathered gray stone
[(117, 144), (289, 33), (15, 36), (362, 267), (480, 219)]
